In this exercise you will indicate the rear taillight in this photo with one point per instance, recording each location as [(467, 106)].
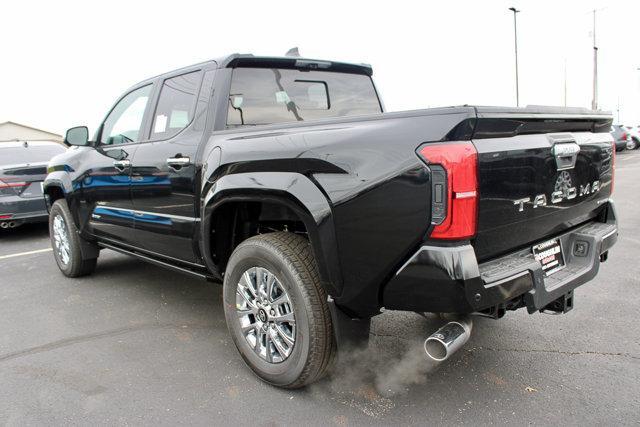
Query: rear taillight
[(624, 136), (454, 189), (12, 187), (613, 165)]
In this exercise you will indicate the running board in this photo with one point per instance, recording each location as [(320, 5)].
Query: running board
[(157, 262)]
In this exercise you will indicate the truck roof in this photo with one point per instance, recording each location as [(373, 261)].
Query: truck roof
[(248, 60), (236, 60)]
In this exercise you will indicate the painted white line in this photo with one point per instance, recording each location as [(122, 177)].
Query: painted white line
[(37, 251)]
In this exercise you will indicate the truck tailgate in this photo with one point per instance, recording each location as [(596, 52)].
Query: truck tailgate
[(538, 176)]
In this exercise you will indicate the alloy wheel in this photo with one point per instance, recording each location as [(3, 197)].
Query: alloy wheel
[(61, 239), (266, 315)]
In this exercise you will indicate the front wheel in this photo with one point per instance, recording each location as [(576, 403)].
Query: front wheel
[(276, 310), (65, 242)]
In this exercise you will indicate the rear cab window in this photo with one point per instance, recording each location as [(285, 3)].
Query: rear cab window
[(261, 96)]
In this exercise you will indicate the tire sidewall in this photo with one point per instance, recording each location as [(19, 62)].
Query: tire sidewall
[(261, 254)]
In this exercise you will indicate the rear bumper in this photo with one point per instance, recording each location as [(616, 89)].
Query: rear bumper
[(621, 144), (23, 209), (449, 279)]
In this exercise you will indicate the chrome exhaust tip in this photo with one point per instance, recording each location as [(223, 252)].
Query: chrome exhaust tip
[(11, 224), (448, 339), (4, 224)]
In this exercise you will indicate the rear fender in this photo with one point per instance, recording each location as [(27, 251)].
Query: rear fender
[(294, 190)]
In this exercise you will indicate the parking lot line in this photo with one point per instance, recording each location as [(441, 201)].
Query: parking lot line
[(37, 251)]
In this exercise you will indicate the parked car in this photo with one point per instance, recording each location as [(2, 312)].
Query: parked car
[(284, 178), (23, 167), (621, 136), (634, 138)]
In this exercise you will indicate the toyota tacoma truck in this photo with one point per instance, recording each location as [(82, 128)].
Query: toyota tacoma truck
[(284, 179)]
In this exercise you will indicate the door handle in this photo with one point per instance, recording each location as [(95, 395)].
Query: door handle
[(121, 164), (178, 162)]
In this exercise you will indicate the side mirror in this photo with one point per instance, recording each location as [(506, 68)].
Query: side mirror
[(78, 135), (118, 154)]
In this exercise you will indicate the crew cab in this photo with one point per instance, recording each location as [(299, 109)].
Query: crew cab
[(284, 178)]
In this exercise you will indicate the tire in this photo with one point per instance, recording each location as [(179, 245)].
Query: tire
[(69, 260), (287, 257), (636, 143)]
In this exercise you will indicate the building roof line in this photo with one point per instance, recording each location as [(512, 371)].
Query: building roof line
[(30, 127)]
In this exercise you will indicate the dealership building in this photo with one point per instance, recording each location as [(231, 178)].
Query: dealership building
[(11, 131)]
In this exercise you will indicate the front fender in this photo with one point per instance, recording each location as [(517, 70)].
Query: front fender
[(63, 178), (58, 179), (294, 190)]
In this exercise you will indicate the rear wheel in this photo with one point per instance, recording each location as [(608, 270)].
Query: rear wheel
[(277, 311), (66, 242)]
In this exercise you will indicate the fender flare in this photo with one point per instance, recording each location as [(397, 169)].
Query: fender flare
[(58, 179), (68, 183), (294, 190), (62, 180)]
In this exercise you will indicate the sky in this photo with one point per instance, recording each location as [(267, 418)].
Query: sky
[(64, 63)]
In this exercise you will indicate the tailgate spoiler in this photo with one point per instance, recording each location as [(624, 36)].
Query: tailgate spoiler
[(500, 122)]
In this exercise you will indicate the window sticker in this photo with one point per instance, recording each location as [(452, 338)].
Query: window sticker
[(161, 124), (179, 119), (282, 97)]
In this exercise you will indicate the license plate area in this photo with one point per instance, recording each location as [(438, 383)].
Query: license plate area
[(549, 255)]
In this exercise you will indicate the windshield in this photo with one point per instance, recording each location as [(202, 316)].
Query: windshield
[(269, 95)]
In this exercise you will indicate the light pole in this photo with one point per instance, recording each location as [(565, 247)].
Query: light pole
[(515, 38), (594, 101)]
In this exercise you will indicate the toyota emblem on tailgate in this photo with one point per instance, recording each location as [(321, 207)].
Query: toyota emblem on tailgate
[(566, 155)]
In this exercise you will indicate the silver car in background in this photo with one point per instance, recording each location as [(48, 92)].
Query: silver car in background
[(620, 136), (634, 137)]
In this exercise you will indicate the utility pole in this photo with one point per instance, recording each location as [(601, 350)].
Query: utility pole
[(594, 102), (515, 38)]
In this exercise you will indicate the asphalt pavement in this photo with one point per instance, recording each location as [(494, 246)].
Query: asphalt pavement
[(135, 344)]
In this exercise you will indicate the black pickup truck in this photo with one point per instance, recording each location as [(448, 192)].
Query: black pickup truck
[(284, 178)]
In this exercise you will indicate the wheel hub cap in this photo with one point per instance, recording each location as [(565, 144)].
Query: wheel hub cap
[(265, 313), (61, 239)]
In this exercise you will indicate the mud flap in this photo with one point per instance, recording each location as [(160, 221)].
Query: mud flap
[(349, 332)]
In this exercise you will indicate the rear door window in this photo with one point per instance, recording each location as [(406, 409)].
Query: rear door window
[(270, 95), (176, 105)]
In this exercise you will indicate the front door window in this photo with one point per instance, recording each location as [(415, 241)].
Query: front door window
[(125, 120)]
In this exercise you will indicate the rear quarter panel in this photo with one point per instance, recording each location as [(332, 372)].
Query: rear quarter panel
[(368, 172)]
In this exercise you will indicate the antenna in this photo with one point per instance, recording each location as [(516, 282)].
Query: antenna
[(293, 52)]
